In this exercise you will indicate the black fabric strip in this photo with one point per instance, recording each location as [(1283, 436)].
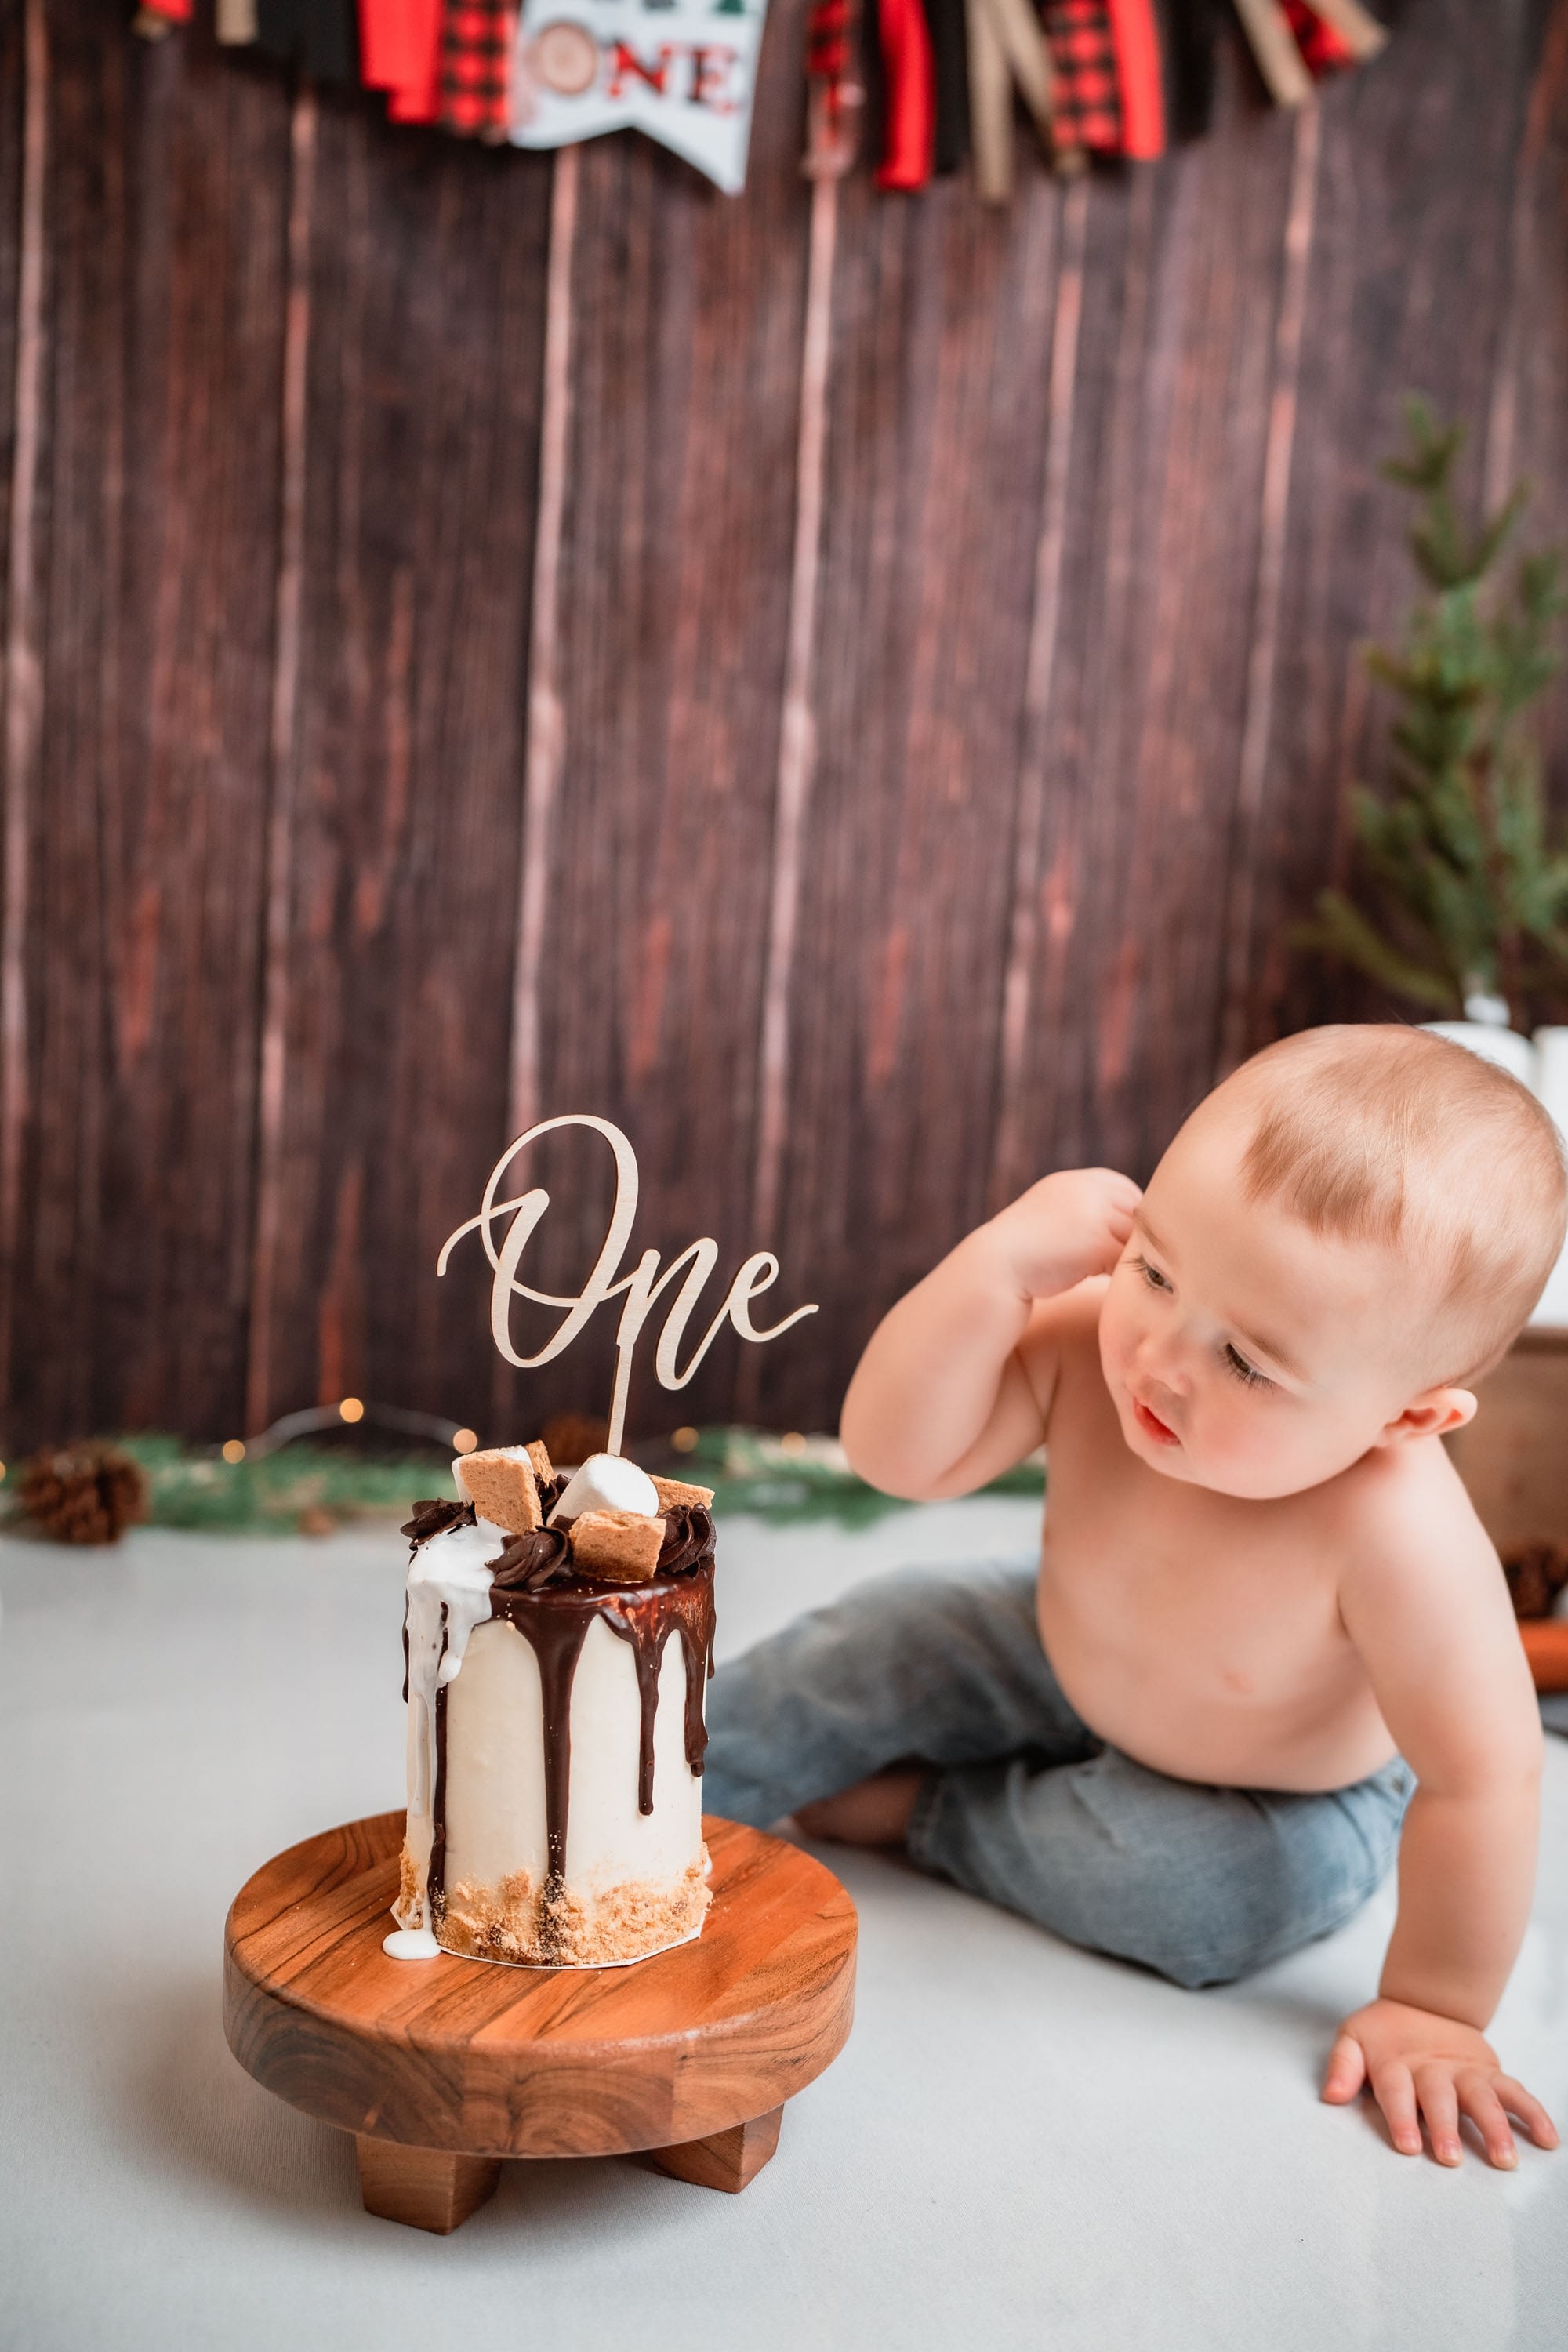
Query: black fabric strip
[(1189, 31), (950, 55), (321, 35)]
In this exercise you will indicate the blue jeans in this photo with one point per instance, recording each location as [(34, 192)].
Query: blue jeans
[(1020, 1802)]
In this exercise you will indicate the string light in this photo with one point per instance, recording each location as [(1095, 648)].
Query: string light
[(351, 1409), (792, 1442), (464, 1441), (234, 1449), (685, 1441)]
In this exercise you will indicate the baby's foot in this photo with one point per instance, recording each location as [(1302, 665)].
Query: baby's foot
[(873, 1812)]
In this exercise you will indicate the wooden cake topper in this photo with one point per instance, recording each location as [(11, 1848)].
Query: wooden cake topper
[(642, 1288)]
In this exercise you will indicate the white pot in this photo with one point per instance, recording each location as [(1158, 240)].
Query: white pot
[(1541, 1064)]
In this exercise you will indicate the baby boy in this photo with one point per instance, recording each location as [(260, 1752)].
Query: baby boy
[(1267, 1628)]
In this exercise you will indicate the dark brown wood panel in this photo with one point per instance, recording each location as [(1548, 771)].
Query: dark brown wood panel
[(687, 314), (167, 185), (427, 292), (942, 323), (1102, 535), (13, 100)]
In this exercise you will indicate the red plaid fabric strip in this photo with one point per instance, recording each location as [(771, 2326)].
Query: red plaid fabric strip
[(476, 65), (1083, 54), (1319, 43)]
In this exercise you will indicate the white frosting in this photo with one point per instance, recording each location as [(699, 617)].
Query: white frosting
[(495, 1768), (451, 1572), (411, 1944), (608, 1482)]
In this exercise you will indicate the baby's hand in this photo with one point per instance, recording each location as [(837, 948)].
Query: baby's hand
[(1064, 1228), (1418, 2064)]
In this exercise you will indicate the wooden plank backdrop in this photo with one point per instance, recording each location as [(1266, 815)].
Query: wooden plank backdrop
[(854, 689)]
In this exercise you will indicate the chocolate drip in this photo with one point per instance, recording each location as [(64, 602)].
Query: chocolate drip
[(557, 1638), (435, 1876), (555, 1620), (699, 1667), (648, 1623), (647, 1658)]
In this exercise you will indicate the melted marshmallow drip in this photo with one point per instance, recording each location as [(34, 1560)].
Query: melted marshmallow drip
[(411, 1944), (448, 1595)]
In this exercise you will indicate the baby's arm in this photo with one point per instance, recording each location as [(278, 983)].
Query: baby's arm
[(1428, 1611), (941, 1400)]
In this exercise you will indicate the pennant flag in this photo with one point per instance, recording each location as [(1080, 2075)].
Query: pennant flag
[(681, 70)]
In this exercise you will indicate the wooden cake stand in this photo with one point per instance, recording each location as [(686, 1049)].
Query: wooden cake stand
[(440, 2068)]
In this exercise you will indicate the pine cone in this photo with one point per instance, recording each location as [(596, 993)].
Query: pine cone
[(1536, 1574), (85, 1494)]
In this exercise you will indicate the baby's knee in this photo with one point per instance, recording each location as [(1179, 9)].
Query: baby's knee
[(1202, 1885), (1211, 1918)]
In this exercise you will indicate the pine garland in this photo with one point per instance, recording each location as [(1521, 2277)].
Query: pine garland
[(313, 1489)]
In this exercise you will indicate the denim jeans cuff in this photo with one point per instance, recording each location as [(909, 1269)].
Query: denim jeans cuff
[(922, 1822)]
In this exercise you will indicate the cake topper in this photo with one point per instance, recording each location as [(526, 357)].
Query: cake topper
[(643, 1286)]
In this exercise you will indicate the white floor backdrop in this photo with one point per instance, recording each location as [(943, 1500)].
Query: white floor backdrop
[(1023, 2145)]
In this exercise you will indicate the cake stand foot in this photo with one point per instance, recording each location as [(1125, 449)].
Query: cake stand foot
[(730, 2159), (428, 2188)]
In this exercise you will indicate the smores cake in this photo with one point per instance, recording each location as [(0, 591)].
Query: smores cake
[(558, 1636)]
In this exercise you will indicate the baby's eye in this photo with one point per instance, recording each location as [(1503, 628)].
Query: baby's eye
[(1249, 1374), (1151, 1273)]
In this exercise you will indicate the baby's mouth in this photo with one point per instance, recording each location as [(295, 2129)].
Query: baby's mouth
[(1152, 1425)]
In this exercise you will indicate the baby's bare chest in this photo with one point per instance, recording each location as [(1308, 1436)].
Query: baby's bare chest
[(1244, 1595), (1199, 1632), (1185, 1577)]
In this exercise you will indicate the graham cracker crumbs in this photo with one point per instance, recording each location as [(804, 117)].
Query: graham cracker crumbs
[(409, 1909), (491, 1923), (514, 1922)]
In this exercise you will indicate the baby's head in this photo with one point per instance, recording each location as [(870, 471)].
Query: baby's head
[(1343, 1237)]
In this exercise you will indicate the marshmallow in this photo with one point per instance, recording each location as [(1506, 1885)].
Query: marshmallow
[(606, 1482)]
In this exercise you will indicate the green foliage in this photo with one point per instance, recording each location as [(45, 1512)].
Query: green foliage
[(1461, 890), (783, 1479), (271, 1495), (779, 1479)]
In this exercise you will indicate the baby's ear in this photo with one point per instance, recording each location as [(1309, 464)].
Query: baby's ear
[(1433, 1413)]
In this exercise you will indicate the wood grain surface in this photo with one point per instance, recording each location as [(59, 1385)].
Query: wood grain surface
[(429, 2189), (1101, 537), (496, 2061)]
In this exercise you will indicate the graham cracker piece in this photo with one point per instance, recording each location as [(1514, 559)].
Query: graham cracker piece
[(623, 1547), (501, 1486), (675, 1493), (543, 1468)]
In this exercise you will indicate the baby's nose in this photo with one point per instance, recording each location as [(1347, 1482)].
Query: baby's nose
[(1160, 1360)]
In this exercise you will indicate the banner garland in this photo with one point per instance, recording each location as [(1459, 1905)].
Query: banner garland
[(1113, 78)]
